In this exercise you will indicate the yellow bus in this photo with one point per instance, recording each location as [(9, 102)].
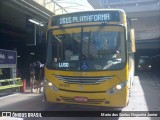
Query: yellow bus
[(89, 58)]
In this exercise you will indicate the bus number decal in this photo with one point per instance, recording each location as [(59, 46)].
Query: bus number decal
[(64, 85), (63, 64), (88, 18)]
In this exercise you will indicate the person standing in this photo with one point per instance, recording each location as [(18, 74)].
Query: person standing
[(32, 76), (39, 75)]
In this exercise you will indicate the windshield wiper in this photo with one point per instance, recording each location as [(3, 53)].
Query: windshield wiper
[(100, 27), (58, 38)]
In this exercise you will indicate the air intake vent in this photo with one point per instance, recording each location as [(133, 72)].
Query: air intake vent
[(83, 80)]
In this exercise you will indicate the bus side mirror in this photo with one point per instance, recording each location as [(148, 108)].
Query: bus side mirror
[(132, 39)]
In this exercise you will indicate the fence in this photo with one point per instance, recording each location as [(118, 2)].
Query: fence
[(11, 83)]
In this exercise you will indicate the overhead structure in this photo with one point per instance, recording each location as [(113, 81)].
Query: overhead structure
[(145, 15), (64, 6)]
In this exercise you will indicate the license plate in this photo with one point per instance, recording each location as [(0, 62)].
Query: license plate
[(80, 99)]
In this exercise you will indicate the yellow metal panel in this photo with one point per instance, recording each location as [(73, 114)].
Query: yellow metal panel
[(87, 29), (12, 83), (106, 28), (132, 38), (66, 31)]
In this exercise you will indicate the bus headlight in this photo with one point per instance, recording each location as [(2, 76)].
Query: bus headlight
[(54, 88), (117, 88), (50, 84)]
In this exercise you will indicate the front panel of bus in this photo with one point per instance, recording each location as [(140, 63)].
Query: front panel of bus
[(87, 64)]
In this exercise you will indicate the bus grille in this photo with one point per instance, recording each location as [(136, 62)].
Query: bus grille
[(83, 80), (89, 101)]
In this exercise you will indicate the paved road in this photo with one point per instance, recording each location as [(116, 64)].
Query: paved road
[(145, 96)]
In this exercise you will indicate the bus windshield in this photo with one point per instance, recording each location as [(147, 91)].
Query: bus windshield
[(86, 49)]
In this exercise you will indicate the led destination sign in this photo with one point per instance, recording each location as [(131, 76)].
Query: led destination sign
[(98, 16)]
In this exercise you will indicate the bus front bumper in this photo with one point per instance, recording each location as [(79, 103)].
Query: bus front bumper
[(119, 99)]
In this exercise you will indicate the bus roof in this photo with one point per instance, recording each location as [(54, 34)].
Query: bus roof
[(119, 10)]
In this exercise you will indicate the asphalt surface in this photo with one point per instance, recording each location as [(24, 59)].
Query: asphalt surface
[(144, 96)]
